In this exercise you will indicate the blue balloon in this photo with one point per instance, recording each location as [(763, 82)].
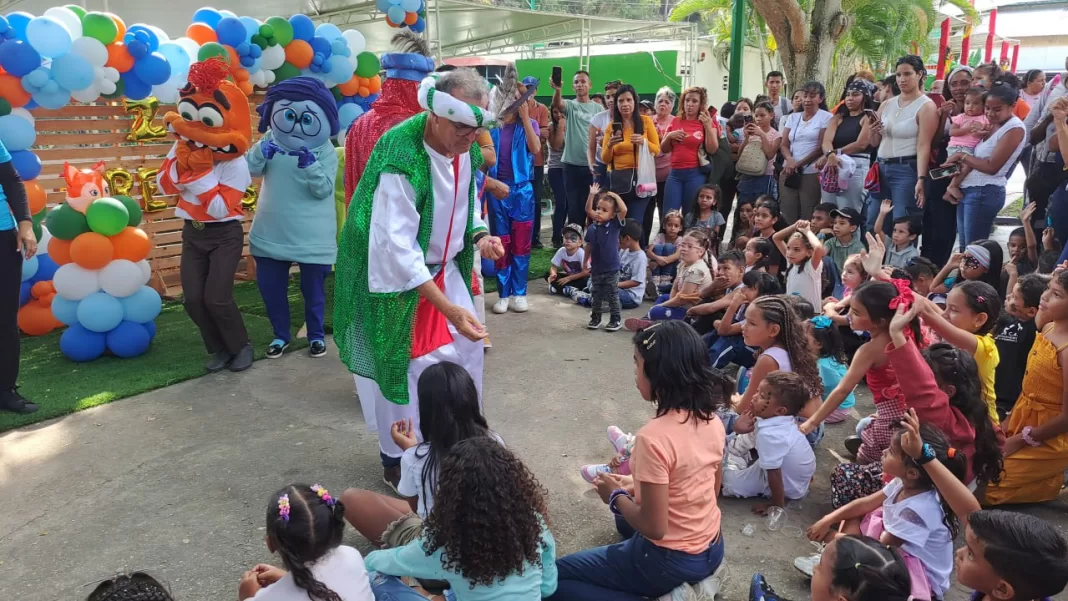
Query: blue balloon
[(136, 48), (29, 268), (382, 5), (247, 61), (141, 306), (24, 293), (17, 133), (320, 46), (419, 25), (327, 31), (396, 14), (231, 31), (19, 58), (80, 344), (303, 28), (48, 36), (176, 57), (19, 21), (66, 311), (339, 69), (255, 51), (73, 72), (26, 164), (46, 268), (411, 6), (99, 312), (252, 27), (133, 87), (127, 340), (4, 26), (144, 35), (52, 97), (347, 114), (208, 16), (152, 69), (150, 327)]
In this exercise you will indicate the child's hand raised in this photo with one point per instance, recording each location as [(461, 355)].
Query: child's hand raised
[(595, 188), (403, 434), (802, 226), (901, 320), (1027, 212), (886, 207), (911, 441), (872, 259)]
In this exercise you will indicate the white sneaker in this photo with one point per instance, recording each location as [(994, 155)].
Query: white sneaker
[(520, 305), (501, 306), (705, 590), (807, 564)]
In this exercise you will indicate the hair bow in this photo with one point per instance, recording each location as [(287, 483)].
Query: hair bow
[(821, 322), (904, 296)]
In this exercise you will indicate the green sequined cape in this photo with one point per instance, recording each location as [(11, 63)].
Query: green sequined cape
[(373, 330)]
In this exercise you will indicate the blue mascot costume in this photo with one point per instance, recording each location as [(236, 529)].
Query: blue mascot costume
[(512, 218), (295, 216)]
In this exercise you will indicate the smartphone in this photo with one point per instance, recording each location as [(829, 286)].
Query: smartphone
[(617, 128), (944, 172), (558, 75), (871, 114), (747, 119)]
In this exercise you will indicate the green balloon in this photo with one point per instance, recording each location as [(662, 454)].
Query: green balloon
[(77, 10), (99, 26), (213, 49), (5, 107), (132, 207), (65, 223), (283, 31), (336, 92), (266, 31), (107, 216), (286, 71), (260, 41), (37, 231), (367, 64)]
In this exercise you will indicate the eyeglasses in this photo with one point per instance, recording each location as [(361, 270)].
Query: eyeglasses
[(286, 121), (467, 130)]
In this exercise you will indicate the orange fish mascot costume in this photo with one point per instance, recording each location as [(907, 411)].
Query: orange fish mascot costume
[(206, 168)]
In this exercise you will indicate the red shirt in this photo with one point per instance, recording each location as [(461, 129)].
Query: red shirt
[(684, 152)]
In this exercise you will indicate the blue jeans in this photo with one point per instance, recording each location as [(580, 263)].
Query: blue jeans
[(390, 588), (897, 181), (976, 212), (658, 313), (631, 570), (723, 350), (272, 277), (680, 189), (750, 188)]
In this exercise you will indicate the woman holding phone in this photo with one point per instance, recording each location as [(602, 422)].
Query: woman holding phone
[(848, 134), (690, 131), (630, 134)]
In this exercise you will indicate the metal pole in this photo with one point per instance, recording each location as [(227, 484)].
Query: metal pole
[(738, 22)]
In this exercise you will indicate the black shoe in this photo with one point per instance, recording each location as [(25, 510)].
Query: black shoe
[(614, 325), (537, 245), (760, 590), (595, 322), (391, 476), (243, 359), (218, 362), (852, 444), (318, 349), (14, 402), (276, 348)]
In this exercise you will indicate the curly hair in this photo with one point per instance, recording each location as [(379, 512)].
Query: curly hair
[(794, 338), (702, 103), (312, 529), (488, 515), (137, 586)]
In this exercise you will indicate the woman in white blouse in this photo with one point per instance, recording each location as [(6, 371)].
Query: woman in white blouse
[(802, 134)]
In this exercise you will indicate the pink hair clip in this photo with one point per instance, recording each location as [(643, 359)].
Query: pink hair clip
[(324, 495), (283, 508), (981, 298)]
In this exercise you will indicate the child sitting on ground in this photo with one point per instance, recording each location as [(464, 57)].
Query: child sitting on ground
[(705, 214), (847, 240), (832, 363), (305, 526), (743, 224), (901, 244), (785, 462), (1014, 335), (758, 254), (822, 222), (1023, 245), (804, 254), (663, 253), (633, 265), (922, 272), (856, 568), (729, 279), (981, 261), (607, 213), (726, 344), (571, 260), (695, 272), (1011, 556)]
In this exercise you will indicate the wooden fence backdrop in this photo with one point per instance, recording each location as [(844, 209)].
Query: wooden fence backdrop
[(83, 134)]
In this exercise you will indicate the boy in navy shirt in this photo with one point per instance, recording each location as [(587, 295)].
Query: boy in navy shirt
[(607, 213)]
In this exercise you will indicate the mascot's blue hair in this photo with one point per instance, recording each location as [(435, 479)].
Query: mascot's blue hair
[(300, 88)]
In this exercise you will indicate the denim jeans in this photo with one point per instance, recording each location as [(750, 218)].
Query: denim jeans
[(853, 196), (750, 188), (680, 192), (605, 290), (577, 180), (976, 212), (556, 182), (659, 313), (390, 588), (631, 570), (897, 181)]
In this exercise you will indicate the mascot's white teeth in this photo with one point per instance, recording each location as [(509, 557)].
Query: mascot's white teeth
[(199, 144)]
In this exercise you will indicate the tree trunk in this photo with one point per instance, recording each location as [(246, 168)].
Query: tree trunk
[(806, 43)]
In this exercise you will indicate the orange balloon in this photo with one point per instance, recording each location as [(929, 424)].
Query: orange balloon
[(201, 33), (91, 250), (350, 87), (132, 244), (410, 18), (42, 289), (375, 84), (391, 23), (59, 251), (120, 24), (246, 87), (37, 320), (36, 195), (234, 59), (119, 57), (364, 92), (238, 73), (12, 91), (299, 53)]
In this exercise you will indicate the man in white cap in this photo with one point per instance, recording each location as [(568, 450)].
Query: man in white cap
[(403, 288)]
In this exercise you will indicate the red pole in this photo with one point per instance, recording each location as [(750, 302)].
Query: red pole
[(1004, 54), (991, 29), (1015, 56), (943, 49)]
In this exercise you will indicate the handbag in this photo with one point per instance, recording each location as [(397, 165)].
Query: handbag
[(793, 181), (621, 181), (829, 181), (645, 177), (752, 160), (871, 180)]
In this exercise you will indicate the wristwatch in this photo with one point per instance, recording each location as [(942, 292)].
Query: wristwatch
[(927, 455), (479, 236)]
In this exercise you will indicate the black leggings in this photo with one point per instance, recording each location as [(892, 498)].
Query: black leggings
[(10, 283)]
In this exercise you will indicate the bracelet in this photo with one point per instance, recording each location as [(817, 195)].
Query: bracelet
[(1025, 434), (478, 237), (619, 492)]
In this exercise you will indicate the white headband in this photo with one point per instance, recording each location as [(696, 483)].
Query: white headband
[(448, 107)]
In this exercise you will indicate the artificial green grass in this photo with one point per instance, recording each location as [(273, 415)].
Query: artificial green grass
[(61, 386)]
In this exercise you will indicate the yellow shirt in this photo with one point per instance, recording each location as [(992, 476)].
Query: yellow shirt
[(621, 156), (986, 359)]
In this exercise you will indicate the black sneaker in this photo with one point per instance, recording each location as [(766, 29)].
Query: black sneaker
[(595, 322), (614, 325), (318, 349), (537, 245), (11, 400), (852, 444), (243, 359), (218, 362), (760, 590), (276, 348)]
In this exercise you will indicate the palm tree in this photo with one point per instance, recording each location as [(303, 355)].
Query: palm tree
[(716, 15)]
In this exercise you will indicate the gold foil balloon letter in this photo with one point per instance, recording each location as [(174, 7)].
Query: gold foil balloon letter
[(144, 111), (119, 180), (149, 189), (248, 201)]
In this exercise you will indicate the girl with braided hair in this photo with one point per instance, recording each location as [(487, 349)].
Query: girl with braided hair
[(304, 527), (138, 586)]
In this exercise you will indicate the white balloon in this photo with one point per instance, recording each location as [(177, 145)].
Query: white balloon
[(357, 43), (190, 46), (87, 95), (75, 283), (21, 112), (46, 237), (270, 77), (146, 270), (121, 278), (68, 18), (168, 94), (273, 57), (91, 50)]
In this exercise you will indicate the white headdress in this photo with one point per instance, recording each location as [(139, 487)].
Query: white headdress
[(449, 107)]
